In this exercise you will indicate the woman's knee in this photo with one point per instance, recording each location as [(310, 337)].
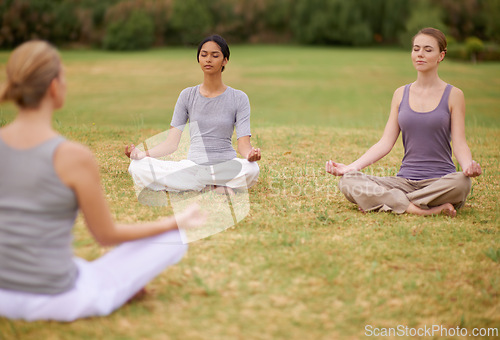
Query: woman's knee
[(249, 169), (349, 181), (135, 166), (461, 183), (132, 167), (253, 169)]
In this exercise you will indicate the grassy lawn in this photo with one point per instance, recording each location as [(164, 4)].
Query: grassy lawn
[(304, 264)]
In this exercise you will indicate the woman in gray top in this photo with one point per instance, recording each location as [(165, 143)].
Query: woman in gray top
[(44, 181), (430, 114), (214, 110)]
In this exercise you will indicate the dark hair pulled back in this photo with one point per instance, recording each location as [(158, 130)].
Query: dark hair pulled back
[(219, 41)]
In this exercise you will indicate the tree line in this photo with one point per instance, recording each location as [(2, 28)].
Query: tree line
[(140, 24)]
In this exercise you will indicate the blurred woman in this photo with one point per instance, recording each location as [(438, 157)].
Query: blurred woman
[(44, 181), (214, 110), (430, 113)]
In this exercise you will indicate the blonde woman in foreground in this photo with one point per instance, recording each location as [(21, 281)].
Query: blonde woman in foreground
[(44, 181), (430, 113)]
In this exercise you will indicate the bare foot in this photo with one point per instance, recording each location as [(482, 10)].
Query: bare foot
[(138, 296), (208, 188), (445, 209), (224, 190), (361, 210), (448, 210)]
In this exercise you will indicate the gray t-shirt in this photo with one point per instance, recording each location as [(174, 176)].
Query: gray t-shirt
[(211, 123)]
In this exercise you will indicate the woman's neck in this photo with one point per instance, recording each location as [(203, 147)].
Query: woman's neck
[(212, 85), (428, 79), (30, 127)]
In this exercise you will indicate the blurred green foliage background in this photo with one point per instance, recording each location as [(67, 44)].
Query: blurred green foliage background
[(140, 24)]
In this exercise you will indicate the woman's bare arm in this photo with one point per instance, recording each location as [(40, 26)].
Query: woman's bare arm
[(78, 169), (379, 149), (167, 147), (460, 147), (246, 150)]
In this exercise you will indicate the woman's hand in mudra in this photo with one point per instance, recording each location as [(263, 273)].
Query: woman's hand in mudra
[(254, 155), (473, 170), (337, 169), (133, 153)]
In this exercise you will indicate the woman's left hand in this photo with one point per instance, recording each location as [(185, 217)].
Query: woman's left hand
[(134, 153), (253, 155), (473, 170)]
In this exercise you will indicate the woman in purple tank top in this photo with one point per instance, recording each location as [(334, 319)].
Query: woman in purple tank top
[(430, 114)]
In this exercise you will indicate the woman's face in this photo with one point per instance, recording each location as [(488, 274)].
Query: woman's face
[(211, 58), (425, 53)]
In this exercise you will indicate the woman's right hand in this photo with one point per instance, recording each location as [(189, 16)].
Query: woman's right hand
[(133, 153), (337, 169), (191, 217), (473, 170)]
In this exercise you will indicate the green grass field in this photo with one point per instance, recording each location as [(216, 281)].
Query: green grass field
[(304, 264)]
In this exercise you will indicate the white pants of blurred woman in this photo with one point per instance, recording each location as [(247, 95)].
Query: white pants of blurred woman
[(186, 175), (102, 285)]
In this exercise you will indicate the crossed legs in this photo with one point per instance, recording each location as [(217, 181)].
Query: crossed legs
[(425, 197), (186, 175)]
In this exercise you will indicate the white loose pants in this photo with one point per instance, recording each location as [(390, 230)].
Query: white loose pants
[(186, 175), (102, 285)]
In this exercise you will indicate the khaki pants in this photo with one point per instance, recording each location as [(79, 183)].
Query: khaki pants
[(396, 193)]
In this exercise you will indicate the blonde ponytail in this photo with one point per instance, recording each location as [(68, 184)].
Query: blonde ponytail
[(30, 69)]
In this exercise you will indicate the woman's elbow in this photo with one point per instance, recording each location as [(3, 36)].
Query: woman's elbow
[(384, 147), (106, 239)]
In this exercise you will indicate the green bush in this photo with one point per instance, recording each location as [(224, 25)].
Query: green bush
[(491, 12), (22, 20), (457, 51), (134, 33), (474, 46), (423, 14), (191, 20), (491, 52), (331, 22), (347, 22), (67, 27), (158, 10)]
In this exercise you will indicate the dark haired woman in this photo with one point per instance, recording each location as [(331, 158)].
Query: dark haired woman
[(44, 181), (430, 113), (213, 110)]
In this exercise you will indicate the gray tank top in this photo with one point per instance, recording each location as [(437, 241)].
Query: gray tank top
[(37, 213), (426, 139)]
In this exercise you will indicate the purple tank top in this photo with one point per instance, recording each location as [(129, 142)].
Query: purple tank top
[(426, 139)]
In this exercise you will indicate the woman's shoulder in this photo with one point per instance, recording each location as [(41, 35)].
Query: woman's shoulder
[(455, 90), (74, 153), (401, 89), (189, 93), (456, 97), (191, 89), (236, 91), (399, 92), (75, 164), (239, 95)]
